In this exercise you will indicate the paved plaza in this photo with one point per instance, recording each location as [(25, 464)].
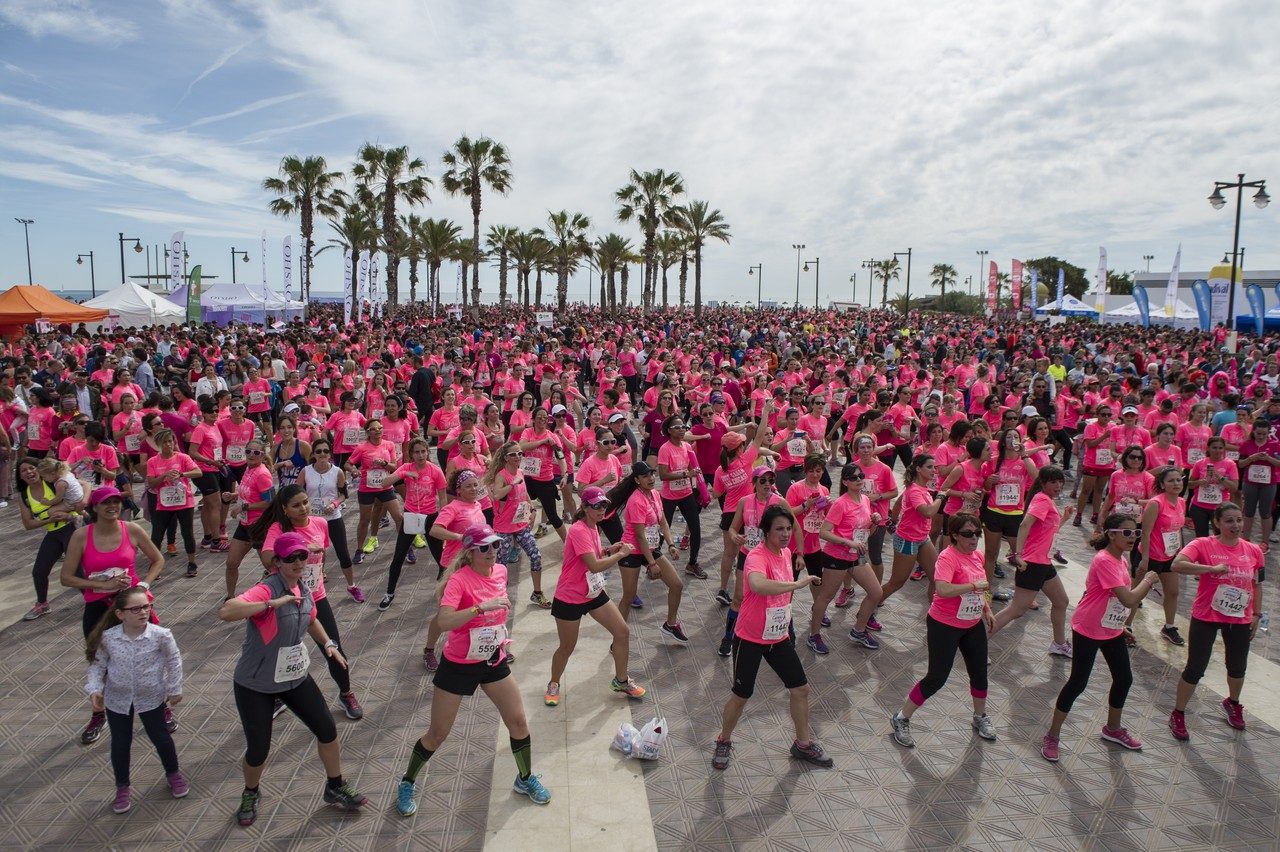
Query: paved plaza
[(954, 790)]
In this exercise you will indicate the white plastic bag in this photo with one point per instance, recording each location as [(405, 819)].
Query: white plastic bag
[(626, 738), (652, 736)]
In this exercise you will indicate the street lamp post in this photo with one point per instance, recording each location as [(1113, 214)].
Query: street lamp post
[(982, 265), (1148, 258), (137, 247), (853, 287), (1260, 200), (234, 253), (968, 284), (817, 271), (93, 284), (26, 223), (758, 271), (799, 247), (906, 307), (870, 266)]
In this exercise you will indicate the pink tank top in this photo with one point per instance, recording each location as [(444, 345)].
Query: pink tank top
[(97, 564)]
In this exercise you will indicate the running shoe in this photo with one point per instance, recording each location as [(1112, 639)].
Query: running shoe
[(278, 708), (385, 522), (902, 730), (1059, 558), (723, 598), (178, 785), (637, 603), (407, 798), (1093, 519), (811, 753), (192, 569), (429, 660), (344, 798), (356, 593), (999, 572), (124, 799), (532, 787), (552, 696), (248, 807), (1178, 725), (358, 558), (1060, 650), (170, 723), (817, 644), (695, 570), (411, 557), (1002, 595), (726, 647), (674, 631), (419, 541), (351, 706), (93, 731), (370, 544), (1130, 639), (540, 600), (982, 724), (826, 621), (917, 573), (864, 638), (843, 598), (219, 546), (720, 758), (872, 624), (541, 531), (40, 609), (206, 542), (1049, 749), (1121, 736), (385, 603), (171, 548), (1235, 713), (628, 687), (1078, 520), (1171, 635)]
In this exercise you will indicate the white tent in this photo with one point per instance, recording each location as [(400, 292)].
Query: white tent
[(1184, 316), (130, 304), (1071, 306), (226, 302)]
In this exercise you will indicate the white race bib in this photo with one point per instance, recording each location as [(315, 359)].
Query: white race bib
[(312, 574), (626, 470), (374, 478), (1211, 494), (353, 435), (1105, 457), (376, 413), (1234, 455), (33, 430), (1231, 601), (860, 537), (173, 496), (752, 537), (970, 607), (235, 453), (132, 443), (1114, 616), (969, 505), (1259, 473), (531, 466), (1008, 495), (868, 486), (292, 662), (257, 397), (415, 523), (217, 454), (812, 523), (652, 535), (797, 447), (1172, 541), (595, 583), (776, 621), (1194, 455), (1129, 508), (485, 641), (523, 513)]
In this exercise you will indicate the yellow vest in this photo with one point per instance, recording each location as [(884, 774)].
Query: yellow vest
[(38, 508)]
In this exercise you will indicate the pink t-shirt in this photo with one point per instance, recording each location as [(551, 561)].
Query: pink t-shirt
[(1130, 491), (644, 509), (735, 480), (1101, 455), (1158, 456), (456, 517), (316, 532), (182, 495), (913, 526), (347, 428), (1040, 537), (971, 479), (1099, 614), (539, 462), (235, 436), (207, 441), (571, 585), (879, 479), (257, 395), (1166, 533), (1008, 493), (954, 567), (808, 524), (850, 517), (764, 619), (512, 513), (255, 486), (130, 423), (464, 590), (593, 469), (421, 487), (265, 621), (677, 459), (1260, 473), (1210, 495), (1194, 441), (373, 476), (1219, 597)]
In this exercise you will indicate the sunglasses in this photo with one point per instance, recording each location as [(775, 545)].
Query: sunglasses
[(516, 455), (597, 506), (483, 548), (769, 479), (470, 441), (608, 442), (140, 608), (854, 478), (320, 451), (967, 533), (301, 556), (254, 452), (237, 408), (1125, 533)]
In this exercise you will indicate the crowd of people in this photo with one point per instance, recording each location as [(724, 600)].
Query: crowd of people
[(816, 437)]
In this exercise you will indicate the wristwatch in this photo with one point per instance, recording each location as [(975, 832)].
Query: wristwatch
[(330, 644), (143, 584)]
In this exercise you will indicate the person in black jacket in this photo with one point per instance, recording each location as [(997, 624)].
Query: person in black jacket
[(421, 389)]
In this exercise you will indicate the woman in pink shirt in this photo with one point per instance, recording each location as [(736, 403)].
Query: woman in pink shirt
[(1099, 462), (732, 481), (1259, 459), (1162, 520), (513, 513), (645, 529), (424, 492), (913, 550), (678, 470), (959, 620), (1130, 487), (1227, 600), (1098, 625), (1212, 481), (1163, 452), (254, 491)]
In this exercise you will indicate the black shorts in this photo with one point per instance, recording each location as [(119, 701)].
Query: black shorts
[(241, 533), (815, 562), (835, 563), (636, 560), (740, 561), (1159, 566), (263, 417), (210, 482), (463, 678), (368, 498), (781, 657), (726, 518), (1034, 577), (235, 474), (1006, 525), (574, 612)]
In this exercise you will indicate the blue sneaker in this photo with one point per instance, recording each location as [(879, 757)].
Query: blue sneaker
[(817, 644), (865, 639), (407, 798), (636, 603), (532, 788)]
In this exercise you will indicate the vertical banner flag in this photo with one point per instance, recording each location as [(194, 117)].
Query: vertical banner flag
[(1031, 291), (1016, 281), (362, 291), (288, 266), (1257, 306), (175, 261), (346, 288), (1100, 284), (375, 296), (1171, 289), (1062, 286), (1204, 302), (993, 281), (1143, 301), (1220, 292), (457, 292), (264, 258), (1278, 291), (193, 296)]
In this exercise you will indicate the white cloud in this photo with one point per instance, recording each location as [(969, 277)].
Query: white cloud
[(261, 103), (71, 19), (46, 173)]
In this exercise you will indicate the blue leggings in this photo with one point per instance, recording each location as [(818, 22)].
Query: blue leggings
[(525, 540)]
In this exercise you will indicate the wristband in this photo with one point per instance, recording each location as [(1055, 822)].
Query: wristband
[(269, 606), (477, 610), (330, 644), (143, 584)]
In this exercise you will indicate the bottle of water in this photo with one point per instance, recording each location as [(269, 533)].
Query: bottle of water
[(1264, 622)]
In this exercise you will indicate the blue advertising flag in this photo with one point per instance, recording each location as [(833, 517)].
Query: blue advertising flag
[(1204, 303), (1144, 306), (1062, 286), (1257, 305), (1035, 282)]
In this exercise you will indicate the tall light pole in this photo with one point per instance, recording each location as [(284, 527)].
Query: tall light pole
[(853, 286), (982, 265), (1148, 258), (968, 284), (234, 253), (26, 223), (906, 307), (799, 247), (758, 271), (1260, 200), (817, 270), (870, 266), (93, 284), (137, 247)]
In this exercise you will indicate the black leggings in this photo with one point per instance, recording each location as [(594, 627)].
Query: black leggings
[(338, 538), (943, 641), (164, 520), (1084, 652), (121, 725), (688, 506), (1200, 519), (404, 541), (256, 708), (151, 515), (93, 612), (875, 546), (612, 529), (341, 676), (52, 548), (545, 493), (1200, 639), (1062, 437)]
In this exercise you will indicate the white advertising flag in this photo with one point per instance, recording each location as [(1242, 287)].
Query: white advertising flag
[(375, 296), (1171, 289), (1100, 284), (288, 266), (264, 258), (346, 288), (175, 262), (363, 292)]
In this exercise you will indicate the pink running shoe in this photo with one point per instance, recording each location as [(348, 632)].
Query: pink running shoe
[(1121, 736), (1049, 749), (1235, 713)]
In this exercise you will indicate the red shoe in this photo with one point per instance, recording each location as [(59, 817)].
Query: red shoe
[(1178, 725), (1235, 713)]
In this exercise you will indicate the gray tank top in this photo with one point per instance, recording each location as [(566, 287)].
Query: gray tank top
[(256, 669), (322, 490)]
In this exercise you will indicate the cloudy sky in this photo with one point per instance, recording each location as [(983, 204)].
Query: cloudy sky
[(856, 128)]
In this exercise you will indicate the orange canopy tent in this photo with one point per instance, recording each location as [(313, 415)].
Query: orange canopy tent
[(20, 306)]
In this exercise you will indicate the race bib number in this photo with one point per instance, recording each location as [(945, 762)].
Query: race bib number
[(353, 435), (969, 504), (415, 523), (1172, 541), (776, 621), (970, 607), (652, 535), (1194, 455), (1231, 601), (752, 536), (1259, 473), (1234, 455), (312, 574), (33, 431), (531, 466), (1008, 494), (1105, 457), (235, 453), (595, 583), (868, 486), (132, 443), (257, 397), (1129, 508), (523, 513), (376, 413), (375, 478), (292, 663), (485, 641), (173, 496), (812, 523), (1211, 494), (217, 454), (860, 537), (626, 470), (1114, 616), (482, 492), (797, 447), (483, 378)]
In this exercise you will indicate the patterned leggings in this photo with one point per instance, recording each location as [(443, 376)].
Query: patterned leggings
[(525, 540)]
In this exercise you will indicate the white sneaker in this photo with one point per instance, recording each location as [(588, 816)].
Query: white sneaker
[(1063, 650)]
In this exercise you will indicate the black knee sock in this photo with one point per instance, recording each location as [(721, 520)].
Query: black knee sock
[(417, 760), (523, 751)]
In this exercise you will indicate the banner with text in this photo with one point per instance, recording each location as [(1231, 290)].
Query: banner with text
[(362, 292), (1062, 286), (1016, 282), (347, 299), (993, 282), (1100, 284), (288, 266), (193, 296), (1031, 291), (1220, 293), (175, 262), (1204, 305), (1171, 289)]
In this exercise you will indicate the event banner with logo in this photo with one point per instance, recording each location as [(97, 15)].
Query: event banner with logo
[(1016, 281), (993, 283), (1143, 301), (1171, 289)]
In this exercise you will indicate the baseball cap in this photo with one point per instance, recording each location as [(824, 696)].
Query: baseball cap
[(558, 409), (106, 492), (1029, 411), (477, 535), (760, 470), (617, 417), (288, 544), (1128, 409), (641, 469), (732, 440), (595, 497)]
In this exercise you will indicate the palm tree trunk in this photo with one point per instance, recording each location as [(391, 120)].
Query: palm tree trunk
[(389, 243), (684, 276), (697, 283), (562, 285), (475, 236), (613, 288), (603, 293), (884, 292), (626, 274), (664, 286), (413, 279), (463, 288), (308, 247), (537, 298), (502, 277)]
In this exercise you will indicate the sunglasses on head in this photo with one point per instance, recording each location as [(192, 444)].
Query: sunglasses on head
[(967, 533)]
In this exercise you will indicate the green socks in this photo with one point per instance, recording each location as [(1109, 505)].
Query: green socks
[(524, 756), (417, 760)]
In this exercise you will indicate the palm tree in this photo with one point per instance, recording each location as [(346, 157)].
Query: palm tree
[(700, 223), (524, 251), (567, 234), (648, 198), (357, 230), (685, 248), (943, 274), (499, 239), (308, 188), (391, 176), (1002, 278), (668, 250), (439, 238), (411, 247), (886, 271), (470, 165), (466, 253)]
